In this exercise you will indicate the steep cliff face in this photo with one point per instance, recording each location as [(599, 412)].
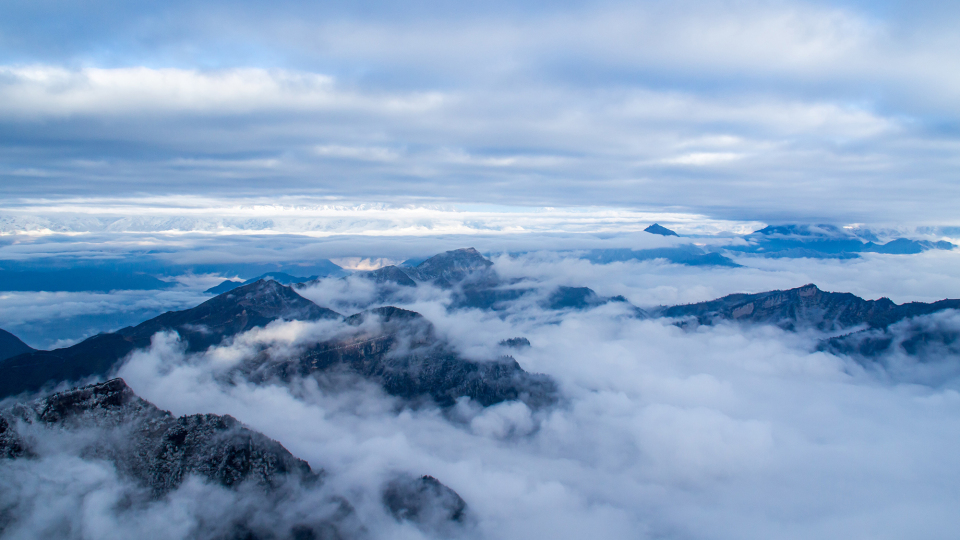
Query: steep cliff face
[(399, 350), (208, 324)]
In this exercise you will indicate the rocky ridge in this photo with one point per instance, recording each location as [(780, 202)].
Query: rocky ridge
[(159, 452), (213, 321)]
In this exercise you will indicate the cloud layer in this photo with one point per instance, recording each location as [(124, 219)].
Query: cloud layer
[(841, 112)]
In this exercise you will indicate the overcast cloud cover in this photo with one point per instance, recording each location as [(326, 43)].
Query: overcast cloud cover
[(843, 111)]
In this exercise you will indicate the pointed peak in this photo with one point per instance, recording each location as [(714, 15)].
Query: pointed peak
[(385, 314), (656, 228)]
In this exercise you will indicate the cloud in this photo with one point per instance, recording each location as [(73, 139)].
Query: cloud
[(726, 431), (43, 91)]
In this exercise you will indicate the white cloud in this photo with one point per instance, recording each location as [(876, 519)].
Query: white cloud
[(40, 91)]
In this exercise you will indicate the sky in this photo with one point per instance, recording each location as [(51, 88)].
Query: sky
[(747, 111)]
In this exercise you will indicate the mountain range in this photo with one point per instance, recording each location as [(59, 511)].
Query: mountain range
[(158, 452)]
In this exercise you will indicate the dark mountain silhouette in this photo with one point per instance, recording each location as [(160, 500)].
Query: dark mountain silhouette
[(805, 306), (388, 274), (656, 228), (11, 345), (279, 277), (686, 255), (78, 279), (159, 451), (224, 286), (208, 324), (828, 241), (399, 350)]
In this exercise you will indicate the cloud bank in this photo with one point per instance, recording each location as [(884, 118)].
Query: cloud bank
[(722, 432), (788, 110)]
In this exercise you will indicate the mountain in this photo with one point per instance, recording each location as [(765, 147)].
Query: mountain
[(208, 324), (10, 345), (279, 277), (78, 279), (826, 241), (805, 306), (159, 451), (656, 228), (165, 449), (395, 348), (388, 274), (686, 255), (928, 333), (399, 350), (578, 298), (224, 286), (451, 267)]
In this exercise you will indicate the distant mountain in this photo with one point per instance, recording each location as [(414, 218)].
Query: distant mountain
[(826, 241), (399, 350), (159, 452), (388, 274), (807, 307), (78, 279), (224, 286), (208, 324), (450, 267), (10, 345), (686, 255), (279, 277), (656, 228)]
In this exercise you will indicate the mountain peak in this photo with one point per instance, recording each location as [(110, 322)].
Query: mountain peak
[(11, 345), (451, 266), (656, 228)]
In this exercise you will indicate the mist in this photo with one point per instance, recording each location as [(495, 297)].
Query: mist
[(724, 431)]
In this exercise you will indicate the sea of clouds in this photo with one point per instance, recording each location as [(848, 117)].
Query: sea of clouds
[(720, 432)]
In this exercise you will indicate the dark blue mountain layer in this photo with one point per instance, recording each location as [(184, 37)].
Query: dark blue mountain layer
[(78, 279), (656, 228), (805, 307), (279, 277), (828, 242), (687, 255), (208, 324), (11, 345)]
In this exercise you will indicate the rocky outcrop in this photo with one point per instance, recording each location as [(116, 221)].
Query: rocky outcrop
[(152, 448), (451, 267), (805, 307), (399, 350), (157, 449), (423, 500), (219, 318)]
